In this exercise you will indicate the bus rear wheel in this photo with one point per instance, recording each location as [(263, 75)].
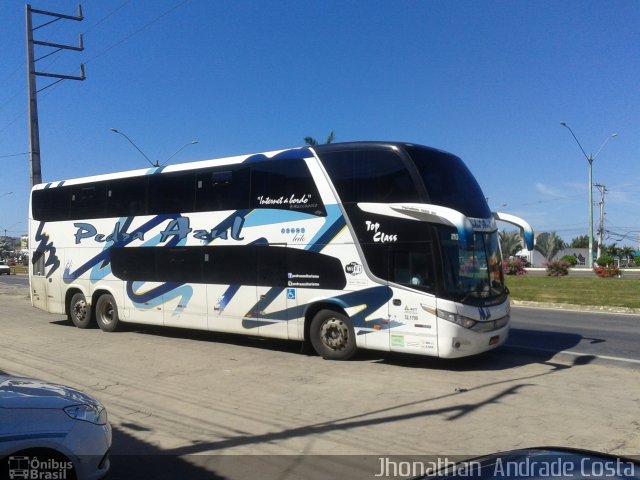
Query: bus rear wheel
[(80, 311), (107, 313), (332, 335)]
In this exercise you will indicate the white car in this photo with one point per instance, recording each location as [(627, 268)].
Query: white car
[(4, 268), (51, 431)]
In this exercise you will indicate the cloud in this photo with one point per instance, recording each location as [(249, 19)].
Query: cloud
[(547, 190)]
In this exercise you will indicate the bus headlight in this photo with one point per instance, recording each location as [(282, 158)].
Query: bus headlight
[(465, 322)]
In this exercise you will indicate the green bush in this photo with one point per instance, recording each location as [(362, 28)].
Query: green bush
[(636, 260), (570, 259), (605, 261)]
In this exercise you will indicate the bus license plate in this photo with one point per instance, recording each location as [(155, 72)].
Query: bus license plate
[(493, 340)]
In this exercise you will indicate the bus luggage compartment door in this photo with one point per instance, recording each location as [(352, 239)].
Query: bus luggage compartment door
[(39, 292)]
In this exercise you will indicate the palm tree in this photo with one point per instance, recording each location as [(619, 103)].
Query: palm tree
[(312, 142), (548, 244), (509, 243)]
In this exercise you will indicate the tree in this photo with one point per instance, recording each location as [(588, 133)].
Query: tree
[(580, 242), (627, 252), (611, 250), (5, 247), (312, 142), (548, 244), (509, 243)]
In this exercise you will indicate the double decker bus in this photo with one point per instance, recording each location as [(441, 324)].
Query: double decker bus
[(373, 245)]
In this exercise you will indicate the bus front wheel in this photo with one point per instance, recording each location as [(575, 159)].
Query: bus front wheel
[(80, 311), (107, 313), (332, 335)]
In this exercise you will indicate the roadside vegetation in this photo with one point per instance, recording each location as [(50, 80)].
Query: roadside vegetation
[(612, 292)]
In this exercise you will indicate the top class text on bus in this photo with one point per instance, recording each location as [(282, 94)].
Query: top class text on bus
[(373, 245)]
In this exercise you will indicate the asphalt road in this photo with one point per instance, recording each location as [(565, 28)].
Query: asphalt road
[(14, 280), (610, 337)]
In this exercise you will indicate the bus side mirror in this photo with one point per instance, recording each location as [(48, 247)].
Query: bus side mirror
[(526, 231), (442, 215)]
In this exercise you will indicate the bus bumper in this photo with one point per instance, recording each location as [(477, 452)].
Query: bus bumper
[(455, 341)]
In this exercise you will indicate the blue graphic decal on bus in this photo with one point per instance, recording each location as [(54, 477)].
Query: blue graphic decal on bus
[(371, 299), (159, 295), (117, 241), (46, 248)]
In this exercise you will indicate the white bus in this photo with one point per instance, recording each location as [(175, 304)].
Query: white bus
[(373, 245)]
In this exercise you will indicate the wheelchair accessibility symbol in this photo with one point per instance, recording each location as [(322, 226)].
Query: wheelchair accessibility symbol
[(291, 293)]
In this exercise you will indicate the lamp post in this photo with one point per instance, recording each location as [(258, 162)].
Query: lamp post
[(590, 158), (114, 130), (156, 164), (193, 142)]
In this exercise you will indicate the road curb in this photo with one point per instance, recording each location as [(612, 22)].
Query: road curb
[(577, 308)]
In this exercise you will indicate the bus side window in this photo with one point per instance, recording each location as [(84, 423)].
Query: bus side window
[(222, 189), (88, 201), (378, 176), (179, 264), (127, 197), (171, 193), (51, 204), (285, 184), (411, 265)]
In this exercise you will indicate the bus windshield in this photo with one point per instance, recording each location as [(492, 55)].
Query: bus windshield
[(473, 275), (449, 182)]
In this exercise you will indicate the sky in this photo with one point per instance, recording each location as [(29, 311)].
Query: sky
[(489, 81)]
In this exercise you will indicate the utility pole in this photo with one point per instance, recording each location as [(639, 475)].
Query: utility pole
[(34, 131), (603, 190), (590, 158)]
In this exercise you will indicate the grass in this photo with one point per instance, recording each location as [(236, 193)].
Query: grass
[(612, 292)]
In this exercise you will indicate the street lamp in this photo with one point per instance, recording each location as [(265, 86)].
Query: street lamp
[(136, 147), (590, 158), (193, 142), (156, 164)]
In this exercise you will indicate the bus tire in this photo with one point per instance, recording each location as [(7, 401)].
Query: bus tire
[(332, 335), (80, 311), (107, 313)]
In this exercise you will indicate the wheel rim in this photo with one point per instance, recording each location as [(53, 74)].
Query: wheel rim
[(106, 313), (334, 333), (80, 310)]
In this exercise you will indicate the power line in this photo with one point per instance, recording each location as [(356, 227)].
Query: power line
[(135, 32), (14, 155), (106, 16), (103, 52)]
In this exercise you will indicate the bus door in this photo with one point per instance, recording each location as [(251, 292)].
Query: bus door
[(412, 309), (39, 281), (271, 292)]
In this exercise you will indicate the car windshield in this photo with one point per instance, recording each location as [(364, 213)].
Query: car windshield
[(473, 275)]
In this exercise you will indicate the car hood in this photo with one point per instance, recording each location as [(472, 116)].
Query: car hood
[(20, 392)]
